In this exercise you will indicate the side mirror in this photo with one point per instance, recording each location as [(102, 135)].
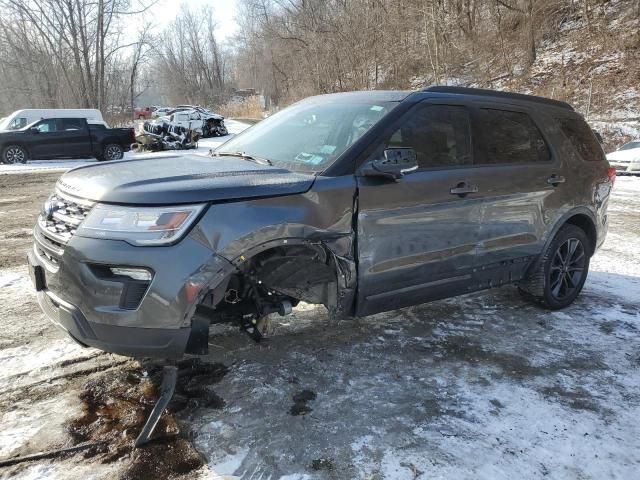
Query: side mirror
[(396, 163), (34, 130)]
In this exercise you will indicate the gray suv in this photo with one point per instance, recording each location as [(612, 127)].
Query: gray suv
[(363, 202)]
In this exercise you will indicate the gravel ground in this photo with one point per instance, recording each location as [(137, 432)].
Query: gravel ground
[(482, 386)]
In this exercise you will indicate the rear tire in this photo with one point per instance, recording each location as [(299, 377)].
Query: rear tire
[(562, 270), (14, 154), (112, 151)]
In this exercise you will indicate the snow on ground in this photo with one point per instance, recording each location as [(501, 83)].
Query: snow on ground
[(204, 145), (482, 386)]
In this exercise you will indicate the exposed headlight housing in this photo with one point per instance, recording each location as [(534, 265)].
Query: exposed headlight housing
[(141, 226)]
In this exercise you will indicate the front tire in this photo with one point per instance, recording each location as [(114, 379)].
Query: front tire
[(562, 270), (111, 151), (14, 154)]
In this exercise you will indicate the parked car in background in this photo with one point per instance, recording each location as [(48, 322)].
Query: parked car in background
[(143, 113), (161, 112), (362, 202), (65, 138), (627, 158), (21, 118)]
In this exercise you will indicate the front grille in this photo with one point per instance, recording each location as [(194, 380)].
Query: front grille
[(63, 217)]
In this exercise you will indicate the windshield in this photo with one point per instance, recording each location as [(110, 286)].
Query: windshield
[(13, 123), (630, 145), (308, 136)]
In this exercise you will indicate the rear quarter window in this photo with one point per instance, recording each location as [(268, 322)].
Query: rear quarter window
[(582, 138)]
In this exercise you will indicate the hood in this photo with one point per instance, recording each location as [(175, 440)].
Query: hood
[(624, 155), (183, 179)]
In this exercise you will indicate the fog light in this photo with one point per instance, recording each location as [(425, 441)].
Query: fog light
[(133, 273)]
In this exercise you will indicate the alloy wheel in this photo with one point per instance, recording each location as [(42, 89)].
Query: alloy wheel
[(15, 155), (567, 268), (113, 152)]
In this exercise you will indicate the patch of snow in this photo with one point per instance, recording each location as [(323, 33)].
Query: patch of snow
[(229, 464), (10, 278), (24, 358), (60, 471)]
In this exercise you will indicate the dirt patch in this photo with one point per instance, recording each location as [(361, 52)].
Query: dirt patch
[(512, 365), (22, 196), (300, 402), (320, 464), (116, 406), (577, 399)]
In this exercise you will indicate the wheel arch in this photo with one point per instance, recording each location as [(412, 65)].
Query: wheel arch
[(587, 224), (297, 255), (581, 217), (340, 290)]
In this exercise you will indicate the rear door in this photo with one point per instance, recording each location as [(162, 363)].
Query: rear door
[(417, 237), (519, 179)]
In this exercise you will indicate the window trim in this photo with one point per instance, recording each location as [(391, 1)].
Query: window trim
[(476, 108)]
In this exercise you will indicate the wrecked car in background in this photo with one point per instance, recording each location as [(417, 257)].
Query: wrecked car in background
[(205, 123), (362, 202), (161, 136)]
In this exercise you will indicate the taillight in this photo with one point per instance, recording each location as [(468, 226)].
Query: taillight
[(611, 173)]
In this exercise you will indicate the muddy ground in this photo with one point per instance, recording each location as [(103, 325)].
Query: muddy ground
[(483, 386)]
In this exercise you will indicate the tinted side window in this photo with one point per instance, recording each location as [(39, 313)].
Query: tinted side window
[(70, 124), (511, 137), (440, 135), (582, 138)]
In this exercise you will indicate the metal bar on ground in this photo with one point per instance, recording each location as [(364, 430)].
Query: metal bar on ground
[(169, 380)]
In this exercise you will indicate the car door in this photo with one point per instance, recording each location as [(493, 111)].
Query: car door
[(417, 237), (74, 137), (195, 121), (45, 140), (181, 119), (515, 173)]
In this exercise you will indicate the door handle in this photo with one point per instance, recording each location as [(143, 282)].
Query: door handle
[(463, 188), (555, 180)]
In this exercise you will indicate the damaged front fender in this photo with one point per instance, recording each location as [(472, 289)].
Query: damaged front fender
[(301, 245)]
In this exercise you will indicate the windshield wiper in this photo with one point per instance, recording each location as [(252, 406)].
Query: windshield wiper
[(245, 156)]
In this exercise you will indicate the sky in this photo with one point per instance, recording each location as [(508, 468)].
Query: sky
[(165, 11)]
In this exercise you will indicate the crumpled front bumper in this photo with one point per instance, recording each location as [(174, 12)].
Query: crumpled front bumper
[(98, 311)]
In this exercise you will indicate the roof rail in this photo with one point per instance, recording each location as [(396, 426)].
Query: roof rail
[(498, 94)]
